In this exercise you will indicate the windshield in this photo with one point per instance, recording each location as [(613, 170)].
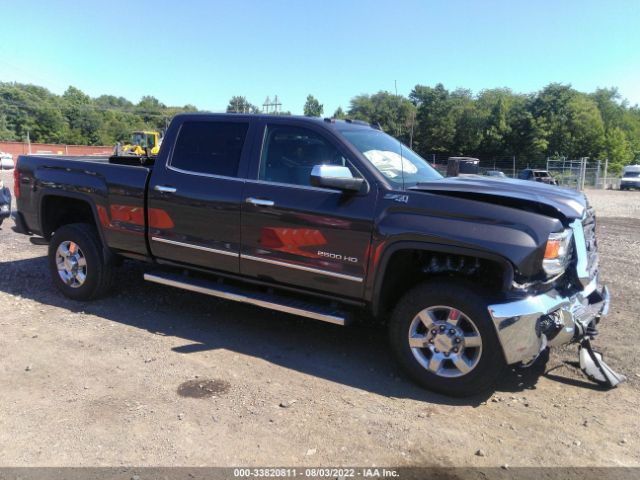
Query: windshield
[(632, 175), (142, 139), (391, 158)]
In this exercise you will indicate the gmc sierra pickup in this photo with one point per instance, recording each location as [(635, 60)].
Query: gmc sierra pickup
[(326, 219)]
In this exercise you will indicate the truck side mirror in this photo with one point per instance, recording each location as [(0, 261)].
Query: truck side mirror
[(335, 176)]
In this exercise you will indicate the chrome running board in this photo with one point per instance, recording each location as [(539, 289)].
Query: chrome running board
[(260, 299)]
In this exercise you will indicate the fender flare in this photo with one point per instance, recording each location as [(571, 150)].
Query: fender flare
[(74, 196), (507, 266)]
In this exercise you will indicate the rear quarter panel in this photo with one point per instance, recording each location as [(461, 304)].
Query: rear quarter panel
[(116, 194)]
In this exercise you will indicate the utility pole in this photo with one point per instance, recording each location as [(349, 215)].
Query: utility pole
[(28, 142), (413, 121), (606, 167), (583, 173), (584, 177), (399, 127), (277, 105), (514, 167)]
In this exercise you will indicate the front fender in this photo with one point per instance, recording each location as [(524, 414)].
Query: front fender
[(512, 237), (374, 287)]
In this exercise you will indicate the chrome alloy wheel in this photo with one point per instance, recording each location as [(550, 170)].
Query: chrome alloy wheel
[(445, 341), (71, 263)]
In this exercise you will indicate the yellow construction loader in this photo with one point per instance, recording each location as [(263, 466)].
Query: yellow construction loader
[(140, 142)]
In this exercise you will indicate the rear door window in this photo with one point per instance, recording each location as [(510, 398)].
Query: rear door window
[(210, 148)]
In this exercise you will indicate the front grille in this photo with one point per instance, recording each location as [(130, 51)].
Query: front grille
[(591, 243)]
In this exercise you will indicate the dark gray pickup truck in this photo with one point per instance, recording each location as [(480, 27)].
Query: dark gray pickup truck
[(327, 219)]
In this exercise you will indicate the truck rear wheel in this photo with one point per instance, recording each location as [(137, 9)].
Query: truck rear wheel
[(79, 267), (443, 337)]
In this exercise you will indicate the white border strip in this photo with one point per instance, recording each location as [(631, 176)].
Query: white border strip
[(304, 269), (196, 247)]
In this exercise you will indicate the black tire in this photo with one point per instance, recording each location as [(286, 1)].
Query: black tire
[(99, 264), (462, 297)]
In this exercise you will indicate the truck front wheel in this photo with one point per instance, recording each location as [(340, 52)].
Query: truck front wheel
[(79, 267), (443, 337)]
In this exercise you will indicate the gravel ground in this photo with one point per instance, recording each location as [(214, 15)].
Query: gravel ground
[(112, 382), (614, 203)]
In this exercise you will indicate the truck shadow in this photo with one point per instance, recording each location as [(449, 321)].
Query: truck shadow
[(357, 356)]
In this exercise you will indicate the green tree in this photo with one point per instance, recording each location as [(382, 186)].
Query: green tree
[(468, 121), (556, 120), (74, 117), (239, 104), (494, 107), (5, 132), (617, 149), (608, 102), (631, 127), (152, 111), (339, 114), (110, 102), (312, 107), (552, 110), (83, 120), (393, 113), (585, 126), (436, 125), (527, 136)]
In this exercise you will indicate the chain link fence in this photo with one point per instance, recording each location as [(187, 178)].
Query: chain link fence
[(577, 173)]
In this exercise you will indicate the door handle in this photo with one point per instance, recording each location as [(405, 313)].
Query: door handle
[(259, 202), (164, 189)]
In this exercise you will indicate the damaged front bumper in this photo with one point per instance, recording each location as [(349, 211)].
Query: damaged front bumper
[(525, 327)]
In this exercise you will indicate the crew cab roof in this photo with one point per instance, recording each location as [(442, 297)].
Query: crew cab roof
[(327, 122)]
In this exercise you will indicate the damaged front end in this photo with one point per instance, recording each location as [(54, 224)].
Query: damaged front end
[(567, 314)]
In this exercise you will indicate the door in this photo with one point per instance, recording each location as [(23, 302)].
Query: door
[(297, 234), (194, 200)]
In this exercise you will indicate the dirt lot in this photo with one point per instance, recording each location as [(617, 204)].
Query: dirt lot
[(100, 383)]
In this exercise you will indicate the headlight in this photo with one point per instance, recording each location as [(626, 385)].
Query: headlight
[(556, 253)]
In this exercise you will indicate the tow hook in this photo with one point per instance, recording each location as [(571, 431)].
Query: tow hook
[(594, 367)]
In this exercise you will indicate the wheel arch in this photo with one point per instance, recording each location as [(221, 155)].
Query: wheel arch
[(79, 208), (377, 299)]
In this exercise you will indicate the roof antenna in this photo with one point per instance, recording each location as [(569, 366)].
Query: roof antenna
[(401, 165)]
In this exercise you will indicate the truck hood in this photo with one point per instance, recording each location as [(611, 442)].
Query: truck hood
[(523, 194)]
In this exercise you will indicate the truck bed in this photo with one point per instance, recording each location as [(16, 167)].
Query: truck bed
[(114, 190), (129, 160)]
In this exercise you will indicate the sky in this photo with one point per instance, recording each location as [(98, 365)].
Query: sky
[(204, 52)]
